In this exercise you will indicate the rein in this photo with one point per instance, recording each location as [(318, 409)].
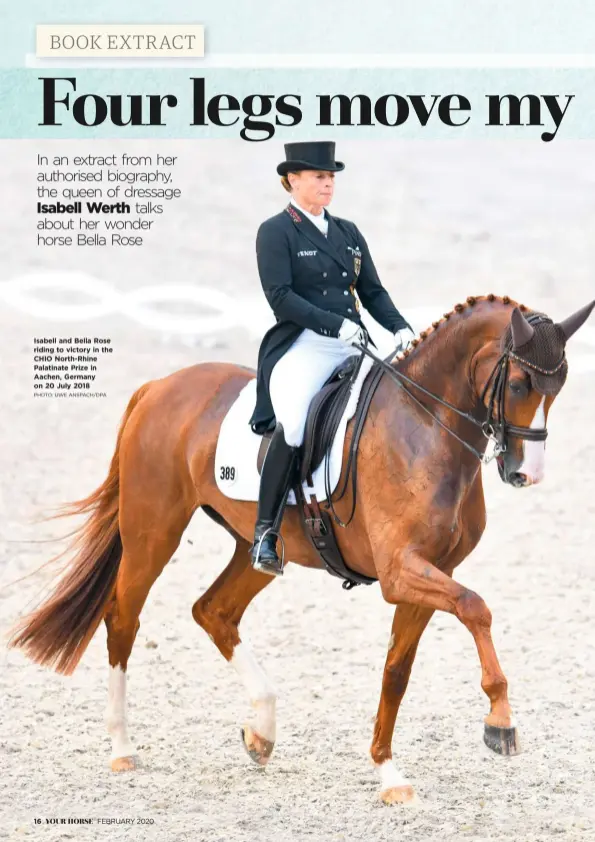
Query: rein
[(495, 427)]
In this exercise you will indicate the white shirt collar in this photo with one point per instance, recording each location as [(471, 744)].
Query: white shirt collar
[(320, 221)]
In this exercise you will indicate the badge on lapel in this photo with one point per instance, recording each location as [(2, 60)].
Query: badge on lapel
[(357, 259)]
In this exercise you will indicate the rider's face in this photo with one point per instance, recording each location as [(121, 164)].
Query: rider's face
[(312, 188)]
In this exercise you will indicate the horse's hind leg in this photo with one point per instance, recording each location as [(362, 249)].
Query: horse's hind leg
[(146, 551), (219, 612)]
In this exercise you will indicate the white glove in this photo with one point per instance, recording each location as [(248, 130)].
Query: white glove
[(403, 338), (350, 332)]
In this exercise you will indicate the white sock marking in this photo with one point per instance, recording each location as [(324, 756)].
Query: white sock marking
[(117, 725), (261, 692), (390, 776)]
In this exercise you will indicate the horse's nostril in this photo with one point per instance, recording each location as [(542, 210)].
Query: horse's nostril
[(517, 479)]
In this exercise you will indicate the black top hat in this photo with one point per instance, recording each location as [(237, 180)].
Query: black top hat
[(311, 155)]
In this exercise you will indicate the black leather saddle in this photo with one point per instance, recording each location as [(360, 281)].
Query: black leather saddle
[(324, 414), (325, 411)]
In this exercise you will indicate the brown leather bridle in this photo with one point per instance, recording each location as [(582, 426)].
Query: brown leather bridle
[(495, 427)]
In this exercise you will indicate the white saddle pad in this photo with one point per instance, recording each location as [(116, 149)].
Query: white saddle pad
[(237, 447)]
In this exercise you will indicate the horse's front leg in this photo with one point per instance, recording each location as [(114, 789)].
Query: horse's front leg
[(415, 581), (408, 626)]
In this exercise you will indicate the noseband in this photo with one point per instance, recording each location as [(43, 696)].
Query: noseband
[(494, 427)]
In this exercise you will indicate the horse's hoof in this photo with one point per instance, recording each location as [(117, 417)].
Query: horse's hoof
[(400, 795), (257, 747), (124, 764), (503, 741)]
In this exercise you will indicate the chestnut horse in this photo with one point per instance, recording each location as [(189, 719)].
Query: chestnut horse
[(420, 447)]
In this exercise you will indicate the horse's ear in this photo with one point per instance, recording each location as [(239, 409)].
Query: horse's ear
[(572, 323), (522, 331)]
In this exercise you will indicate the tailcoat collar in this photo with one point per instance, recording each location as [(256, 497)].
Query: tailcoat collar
[(333, 244)]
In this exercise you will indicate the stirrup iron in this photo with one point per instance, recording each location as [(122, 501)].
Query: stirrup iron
[(264, 567)]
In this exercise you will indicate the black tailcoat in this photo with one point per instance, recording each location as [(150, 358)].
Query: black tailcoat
[(309, 281)]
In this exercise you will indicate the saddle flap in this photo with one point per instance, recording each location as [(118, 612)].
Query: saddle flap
[(320, 409), (313, 448), (324, 413)]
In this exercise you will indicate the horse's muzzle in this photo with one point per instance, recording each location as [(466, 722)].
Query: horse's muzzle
[(511, 475)]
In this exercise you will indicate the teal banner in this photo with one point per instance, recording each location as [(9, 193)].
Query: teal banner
[(257, 105)]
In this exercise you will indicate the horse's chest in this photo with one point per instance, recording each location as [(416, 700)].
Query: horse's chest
[(448, 494)]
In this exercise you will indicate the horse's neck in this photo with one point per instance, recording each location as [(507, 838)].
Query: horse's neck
[(442, 364)]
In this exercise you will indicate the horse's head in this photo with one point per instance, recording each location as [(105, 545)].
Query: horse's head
[(520, 381)]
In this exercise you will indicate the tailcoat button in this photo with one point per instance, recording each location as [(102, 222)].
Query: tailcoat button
[(324, 292), (349, 310), (324, 274), (345, 292), (344, 274)]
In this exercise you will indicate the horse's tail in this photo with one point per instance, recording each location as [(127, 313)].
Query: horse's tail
[(58, 632)]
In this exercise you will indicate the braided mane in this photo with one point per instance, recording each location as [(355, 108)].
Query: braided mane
[(458, 308)]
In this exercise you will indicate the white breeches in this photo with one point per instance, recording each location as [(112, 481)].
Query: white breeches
[(299, 374)]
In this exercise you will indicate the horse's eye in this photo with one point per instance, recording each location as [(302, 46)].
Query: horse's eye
[(518, 387)]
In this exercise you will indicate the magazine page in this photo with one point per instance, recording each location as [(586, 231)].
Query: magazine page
[(296, 308)]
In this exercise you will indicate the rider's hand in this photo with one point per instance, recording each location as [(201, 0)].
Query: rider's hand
[(403, 338), (350, 332)]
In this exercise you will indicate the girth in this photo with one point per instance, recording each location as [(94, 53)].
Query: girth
[(317, 523)]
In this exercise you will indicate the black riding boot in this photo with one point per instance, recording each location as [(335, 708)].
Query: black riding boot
[(275, 485)]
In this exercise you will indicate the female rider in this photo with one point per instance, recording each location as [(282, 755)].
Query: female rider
[(311, 264)]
